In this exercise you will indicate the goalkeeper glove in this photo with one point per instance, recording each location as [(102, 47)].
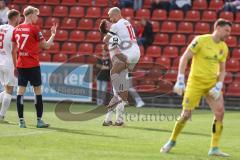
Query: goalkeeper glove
[(179, 86), (215, 92)]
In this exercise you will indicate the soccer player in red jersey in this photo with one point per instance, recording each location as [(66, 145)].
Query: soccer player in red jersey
[(27, 39)]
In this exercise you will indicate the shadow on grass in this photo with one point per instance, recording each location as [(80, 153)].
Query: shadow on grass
[(168, 131), (80, 132)]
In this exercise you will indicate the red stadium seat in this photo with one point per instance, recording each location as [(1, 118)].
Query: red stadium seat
[(85, 48), (135, 23), (97, 23), (176, 15), (161, 39), (236, 53), (216, 4), (193, 15), (147, 81), (226, 15), (52, 2), (45, 11), (68, 2), (36, 2), (60, 11), (76, 11), (233, 89), (231, 41), (77, 58), (50, 21), (145, 88), (93, 36), (209, 16), (127, 12), (185, 27), (85, 2), (40, 22), (171, 75), (163, 62), (98, 49), (168, 27), (69, 23), (101, 3), (159, 14), (170, 52), (153, 51), (142, 50), (155, 25), (69, 48), (14, 6), (228, 78), (85, 24), (77, 36), (145, 62), (237, 19), (175, 64), (142, 13), (19, 2), (61, 35), (45, 57), (232, 65), (105, 13), (154, 74), (60, 57), (93, 12), (178, 40), (55, 48), (201, 28), (235, 29), (190, 38), (237, 77), (146, 4), (200, 4)]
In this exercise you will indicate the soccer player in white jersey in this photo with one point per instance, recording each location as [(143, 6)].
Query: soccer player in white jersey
[(7, 78), (128, 54)]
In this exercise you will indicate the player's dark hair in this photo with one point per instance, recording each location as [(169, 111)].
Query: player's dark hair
[(103, 26), (222, 22), (13, 13)]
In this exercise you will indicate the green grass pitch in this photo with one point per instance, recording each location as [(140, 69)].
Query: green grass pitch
[(140, 139)]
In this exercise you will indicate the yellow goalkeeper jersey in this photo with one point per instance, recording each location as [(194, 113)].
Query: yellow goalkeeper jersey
[(207, 56)]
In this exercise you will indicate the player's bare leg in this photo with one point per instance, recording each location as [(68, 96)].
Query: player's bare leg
[(180, 123), (217, 107), (39, 107), (6, 100)]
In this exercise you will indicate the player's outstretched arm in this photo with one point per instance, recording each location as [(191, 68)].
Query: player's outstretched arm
[(179, 87), (47, 44)]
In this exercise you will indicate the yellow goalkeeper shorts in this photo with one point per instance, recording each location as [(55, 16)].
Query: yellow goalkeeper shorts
[(195, 89)]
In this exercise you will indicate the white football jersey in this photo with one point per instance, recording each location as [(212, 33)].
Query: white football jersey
[(124, 30), (6, 32)]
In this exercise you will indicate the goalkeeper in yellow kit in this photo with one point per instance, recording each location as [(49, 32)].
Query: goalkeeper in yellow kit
[(208, 53)]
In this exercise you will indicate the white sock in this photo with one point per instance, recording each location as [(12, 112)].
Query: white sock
[(119, 112), (1, 96), (5, 103), (108, 117)]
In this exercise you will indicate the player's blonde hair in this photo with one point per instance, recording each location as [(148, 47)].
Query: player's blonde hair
[(29, 10), (114, 10)]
